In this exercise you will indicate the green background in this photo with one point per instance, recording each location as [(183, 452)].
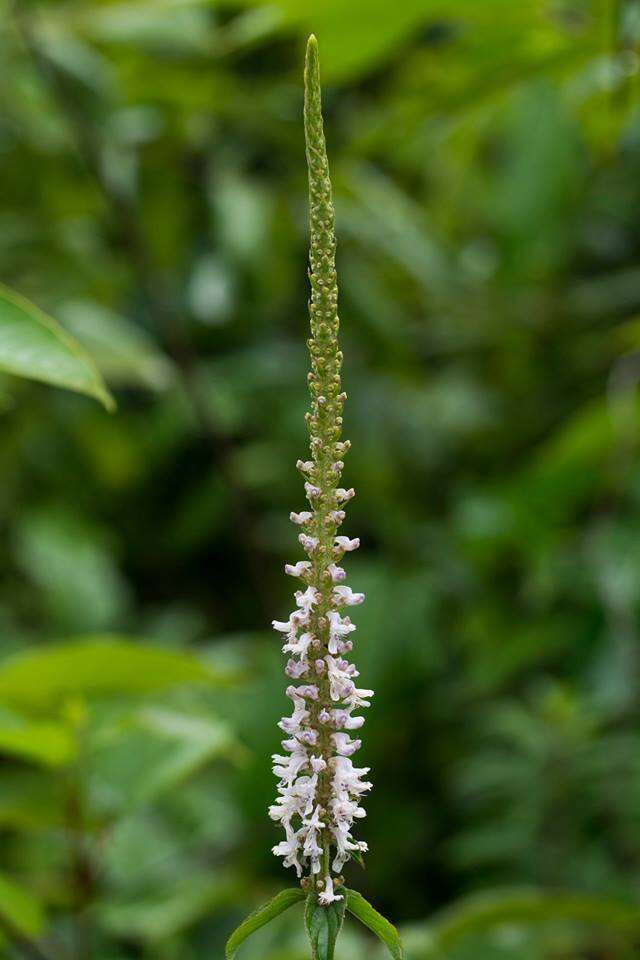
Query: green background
[(486, 167)]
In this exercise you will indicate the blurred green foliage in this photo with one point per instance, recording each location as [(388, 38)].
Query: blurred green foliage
[(486, 164)]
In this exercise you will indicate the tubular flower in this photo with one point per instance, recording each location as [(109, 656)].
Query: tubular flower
[(319, 788)]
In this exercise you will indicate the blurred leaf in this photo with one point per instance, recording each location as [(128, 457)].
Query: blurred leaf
[(51, 744), (522, 907), (154, 919), (366, 914), (30, 800), (33, 345), (264, 914), (20, 908), (97, 666), (72, 562), (124, 352), (152, 751)]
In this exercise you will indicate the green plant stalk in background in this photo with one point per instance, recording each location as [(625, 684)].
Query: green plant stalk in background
[(319, 789)]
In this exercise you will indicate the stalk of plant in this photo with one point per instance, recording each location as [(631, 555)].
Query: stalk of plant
[(319, 788)]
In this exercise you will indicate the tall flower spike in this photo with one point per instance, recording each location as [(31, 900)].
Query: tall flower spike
[(319, 788)]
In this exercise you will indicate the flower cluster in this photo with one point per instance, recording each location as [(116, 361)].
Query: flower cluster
[(319, 788)]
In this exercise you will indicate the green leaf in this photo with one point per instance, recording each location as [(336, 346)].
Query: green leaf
[(165, 913), (264, 914), (51, 744), (19, 908), (323, 926), (384, 931), (41, 678), (152, 751), (124, 352), (34, 345)]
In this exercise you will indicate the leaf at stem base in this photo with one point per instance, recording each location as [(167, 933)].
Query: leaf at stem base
[(369, 916), (263, 915)]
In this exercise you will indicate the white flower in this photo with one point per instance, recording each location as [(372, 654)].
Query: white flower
[(345, 544), (297, 569), (343, 495), (302, 517), (297, 619), (359, 698), (298, 645), (338, 627), (289, 850), (306, 599), (346, 597), (328, 896), (344, 745), (337, 573), (343, 719), (311, 490), (347, 778), (296, 668), (304, 466), (309, 544)]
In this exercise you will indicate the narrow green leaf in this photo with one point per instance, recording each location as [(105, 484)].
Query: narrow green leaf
[(323, 926), (97, 666), (264, 914), (366, 914), (34, 345)]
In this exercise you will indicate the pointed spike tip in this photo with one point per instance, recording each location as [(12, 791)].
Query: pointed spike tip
[(311, 64)]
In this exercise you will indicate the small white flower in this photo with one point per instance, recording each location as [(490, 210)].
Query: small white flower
[(311, 490), (343, 719), (346, 597), (337, 573), (306, 599), (310, 737), (304, 466), (296, 668), (309, 544), (289, 850), (338, 627), (298, 645), (328, 896), (344, 543), (344, 745), (291, 626), (302, 517), (297, 569), (343, 495)]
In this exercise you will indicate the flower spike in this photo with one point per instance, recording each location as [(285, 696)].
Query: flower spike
[(319, 788)]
